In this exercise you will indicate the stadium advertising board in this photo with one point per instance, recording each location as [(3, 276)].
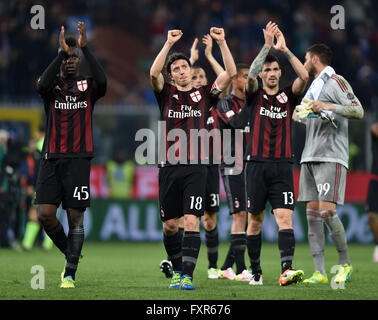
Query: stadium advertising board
[(138, 220)]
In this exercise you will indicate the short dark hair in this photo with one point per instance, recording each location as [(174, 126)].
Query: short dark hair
[(71, 41), (323, 52), (240, 66), (174, 57), (271, 58)]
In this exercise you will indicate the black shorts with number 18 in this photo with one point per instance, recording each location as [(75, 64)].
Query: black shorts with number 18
[(64, 180), (182, 190), (269, 181)]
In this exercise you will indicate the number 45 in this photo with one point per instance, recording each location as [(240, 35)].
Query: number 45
[(81, 193)]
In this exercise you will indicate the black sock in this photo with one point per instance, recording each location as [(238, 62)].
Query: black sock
[(190, 249), (254, 250), (74, 245), (286, 245), (173, 247), (238, 244), (230, 259), (212, 243), (59, 238)]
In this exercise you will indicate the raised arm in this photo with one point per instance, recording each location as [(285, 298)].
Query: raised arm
[(207, 40), (194, 52), (156, 76), (299, 84), (46, 79), (225, 77), (256, 66), (95, 67)]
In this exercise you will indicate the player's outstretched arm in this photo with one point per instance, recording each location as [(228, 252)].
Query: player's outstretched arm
[(207, 40), (46, 79), (256, 66), (225, 77), (97, 71), (156, 76), (194, 52), (299, 84)]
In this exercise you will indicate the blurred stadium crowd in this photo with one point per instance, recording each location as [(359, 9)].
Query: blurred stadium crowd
[(127, 35)]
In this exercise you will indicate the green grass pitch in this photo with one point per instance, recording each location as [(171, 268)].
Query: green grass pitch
[(130, 271)]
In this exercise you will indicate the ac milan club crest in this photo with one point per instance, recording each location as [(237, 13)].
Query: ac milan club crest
[(282, 97), (162, 214), (196, 96), (82, 85), (236, 204)]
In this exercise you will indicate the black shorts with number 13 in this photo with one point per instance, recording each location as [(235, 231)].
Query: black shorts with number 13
[(269, 181)]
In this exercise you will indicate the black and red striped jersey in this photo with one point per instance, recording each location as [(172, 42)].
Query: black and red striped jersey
[(270, 123), (183, 113), (227, 108), (215, 139), (69, 107), (69, 104)]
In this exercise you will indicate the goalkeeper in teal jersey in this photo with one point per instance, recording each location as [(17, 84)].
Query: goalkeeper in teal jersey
[(325, 110)]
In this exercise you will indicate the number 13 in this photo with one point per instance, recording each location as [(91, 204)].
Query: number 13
[(288, 197)]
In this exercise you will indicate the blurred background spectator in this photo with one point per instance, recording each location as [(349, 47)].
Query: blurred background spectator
[(127, 35)]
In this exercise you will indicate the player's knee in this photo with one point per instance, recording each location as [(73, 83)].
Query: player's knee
[(170, 227), (240, 219), (284, 222), (255, 224), (45, 216), (191, 222), (254, 228), (284, 218), (209, 221)]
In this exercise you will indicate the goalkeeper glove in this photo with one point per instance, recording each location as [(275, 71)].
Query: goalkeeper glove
[(304, 110)]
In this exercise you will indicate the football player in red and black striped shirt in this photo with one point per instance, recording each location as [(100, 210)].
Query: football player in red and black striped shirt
[(227, 109), (182, 177), (211, 205), (209, 218), (268, 156), (63, 177)]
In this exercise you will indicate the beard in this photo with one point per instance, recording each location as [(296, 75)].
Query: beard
[(310, 69), (271, 85)]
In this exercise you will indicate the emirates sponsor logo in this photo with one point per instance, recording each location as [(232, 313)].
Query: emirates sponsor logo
[(273, 112), (185, 112), (70, 104)]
